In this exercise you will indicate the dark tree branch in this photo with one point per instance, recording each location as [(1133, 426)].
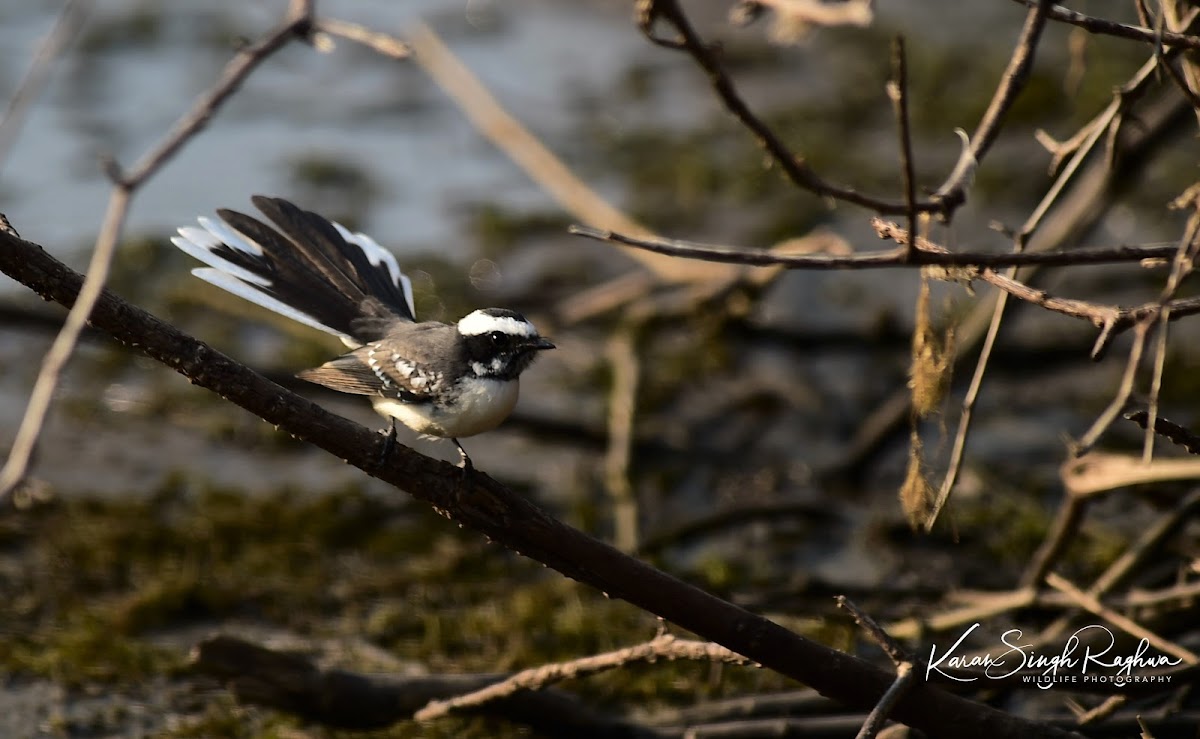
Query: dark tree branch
[(515, 522), (897, 90), (953, 192), (794, 166), (926, 253), (350, 700), (1120, 30)]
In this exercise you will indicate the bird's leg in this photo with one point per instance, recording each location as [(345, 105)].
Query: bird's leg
[(389, 443), (465, 465), (465, 461)]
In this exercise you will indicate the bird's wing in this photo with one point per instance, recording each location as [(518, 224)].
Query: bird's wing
[(374, 370)]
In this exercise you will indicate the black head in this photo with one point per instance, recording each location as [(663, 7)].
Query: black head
[(500, 343)]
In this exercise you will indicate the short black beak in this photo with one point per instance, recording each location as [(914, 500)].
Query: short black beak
[(543, 344)]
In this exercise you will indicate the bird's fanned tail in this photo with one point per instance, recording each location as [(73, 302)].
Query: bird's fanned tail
[(307, 268)]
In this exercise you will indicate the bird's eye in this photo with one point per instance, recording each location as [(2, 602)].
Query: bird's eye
[(496, 337)]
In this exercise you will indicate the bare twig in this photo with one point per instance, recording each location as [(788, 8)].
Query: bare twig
[(1113, 28), (664, 646), (1099, 472), (1066, 524), (1117, 404), (926, 253), (952, 193), (890, 646), (1168, 430), (990, 606), (879, 714), (1113, 318), (1079, 208), (1082, 145), (793, 165), (1181, 266), (958, 448), (1180, 18), (1125, 565), (348, 700), (622, 410), (1129, 626), (70, 20), (897, 90), (125, 184), (381, 43), (1160, 364), (1106, 708)]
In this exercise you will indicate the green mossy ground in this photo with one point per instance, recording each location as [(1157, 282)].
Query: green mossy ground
[(97, 587)]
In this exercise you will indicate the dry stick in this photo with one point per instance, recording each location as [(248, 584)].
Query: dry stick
[(622, 409), (952, 193), (904, 668), (926, 253), (1113, 28), (1160, 364), (905, 676), (664, 646), (1129, 626), (962, 432), (1120, 570), (1180, 82), (1078, 209), (297, 22), (793, 165), (966, 411), (1181, 266), (1101, 472), (997, 604), (1088, 440), (877, 633), (381, 43), (990, 607), (1066, 523), (1188, 79), (70, 20), (897, 90), (1102, 711), (515, 522), (503, 130), (1169, 430), (349, 700)]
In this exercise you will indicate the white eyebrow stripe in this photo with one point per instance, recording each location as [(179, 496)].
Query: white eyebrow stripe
[(479, 323)]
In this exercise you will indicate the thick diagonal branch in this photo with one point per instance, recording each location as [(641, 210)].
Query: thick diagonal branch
[(513, 521)]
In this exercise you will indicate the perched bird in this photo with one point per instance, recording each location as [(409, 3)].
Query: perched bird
[(438, 379)]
